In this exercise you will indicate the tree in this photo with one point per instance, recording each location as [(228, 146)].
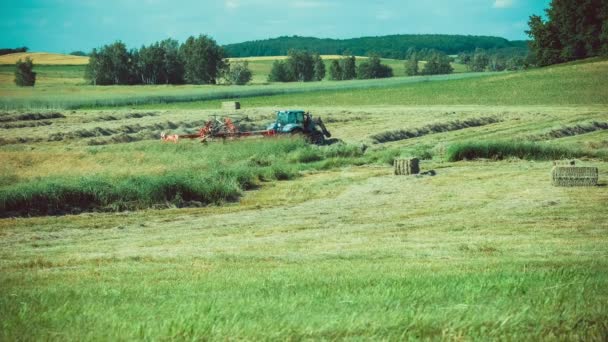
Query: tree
[(173, 65), (111, 64), (479, 62), (300, 66), (78, 53), (439, 63), (203, 60), (150, 64), (515, 63), (373, 68), (24, 74), (319, 67), (238, 73), (335, 71), (348, 68), (497, 63), (279, 72), (574, 29), (411, 65)]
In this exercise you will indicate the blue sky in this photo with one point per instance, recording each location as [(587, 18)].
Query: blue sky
[(69, 25)]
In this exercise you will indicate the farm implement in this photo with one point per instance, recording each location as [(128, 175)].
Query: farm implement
[(288, 122)]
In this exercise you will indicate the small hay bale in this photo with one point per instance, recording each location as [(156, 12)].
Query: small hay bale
[(574, 176), (406, 166), (231, 105)]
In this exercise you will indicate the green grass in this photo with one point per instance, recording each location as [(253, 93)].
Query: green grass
[(211, 175), (476, 250), (359, 254), (511, 149)]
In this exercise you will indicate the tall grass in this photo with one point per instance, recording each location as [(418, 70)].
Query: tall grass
[(504, 149), (215, 175)]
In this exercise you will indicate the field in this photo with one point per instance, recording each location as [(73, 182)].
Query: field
[(109, 234)]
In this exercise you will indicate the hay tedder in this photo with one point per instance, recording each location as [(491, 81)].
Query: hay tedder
[(292, 122)]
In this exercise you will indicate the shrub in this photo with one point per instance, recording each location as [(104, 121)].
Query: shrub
[(238, 73), (24, 74)]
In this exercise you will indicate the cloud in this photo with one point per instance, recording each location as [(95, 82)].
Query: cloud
[(232, 4), (503, 3)]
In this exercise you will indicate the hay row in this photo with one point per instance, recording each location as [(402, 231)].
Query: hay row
[(568, 131), (31, 116), (401, 134)]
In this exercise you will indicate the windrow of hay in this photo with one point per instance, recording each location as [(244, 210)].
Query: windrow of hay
[(123, 117), (401, 134), (498, 150), (30, 116), (568, 131), (23, 124)]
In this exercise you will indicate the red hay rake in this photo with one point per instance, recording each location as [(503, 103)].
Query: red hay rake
[(224, 129)]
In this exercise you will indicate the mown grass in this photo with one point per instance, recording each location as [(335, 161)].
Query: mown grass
[(471, 253)]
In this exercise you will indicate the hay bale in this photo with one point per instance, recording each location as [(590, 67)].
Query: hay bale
[(574, 176), (231, 105), (406, 166)]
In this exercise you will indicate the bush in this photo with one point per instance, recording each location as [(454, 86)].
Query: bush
[(238, 73), (24, 74)]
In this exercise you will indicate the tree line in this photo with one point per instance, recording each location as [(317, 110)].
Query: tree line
[(393, 46), (574, 29), (199, 60), (6, 51)]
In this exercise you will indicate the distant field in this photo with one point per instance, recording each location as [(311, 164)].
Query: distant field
[(44, 58), (49, 64)]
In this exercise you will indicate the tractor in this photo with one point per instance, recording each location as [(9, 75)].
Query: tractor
[(293, 122), (298, 122)]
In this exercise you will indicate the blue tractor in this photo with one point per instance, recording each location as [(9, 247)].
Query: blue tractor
[(298, 122)]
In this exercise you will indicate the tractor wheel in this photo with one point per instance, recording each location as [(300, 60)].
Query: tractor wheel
[(296, 132), (316, 138)]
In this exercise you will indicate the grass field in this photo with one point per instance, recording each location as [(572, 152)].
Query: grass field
[(319, 243)]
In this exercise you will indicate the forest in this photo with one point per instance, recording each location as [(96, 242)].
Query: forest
[(392, 46)]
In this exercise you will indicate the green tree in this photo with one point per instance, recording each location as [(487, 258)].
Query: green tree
[(300, 66), (479, 62), (319, 67), (204, 60), (348, 68), (238, 73), (24, 73), (373, 68), (173, 65), (515, 63), (438, 64), (411, 65), (574, 29), (279, 72), (335, 71), (111, 64)]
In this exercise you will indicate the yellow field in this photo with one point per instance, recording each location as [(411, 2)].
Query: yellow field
[(45, 58)]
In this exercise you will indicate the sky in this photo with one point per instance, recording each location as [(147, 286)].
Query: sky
[(64, 26)]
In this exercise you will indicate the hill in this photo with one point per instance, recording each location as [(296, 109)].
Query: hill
[(393, 46), (45, 58)]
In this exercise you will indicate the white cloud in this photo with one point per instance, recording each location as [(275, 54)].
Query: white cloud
[(232, 4), (503, 3)]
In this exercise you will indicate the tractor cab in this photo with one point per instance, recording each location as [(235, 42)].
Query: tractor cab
[(289, 120), (299, 122)]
